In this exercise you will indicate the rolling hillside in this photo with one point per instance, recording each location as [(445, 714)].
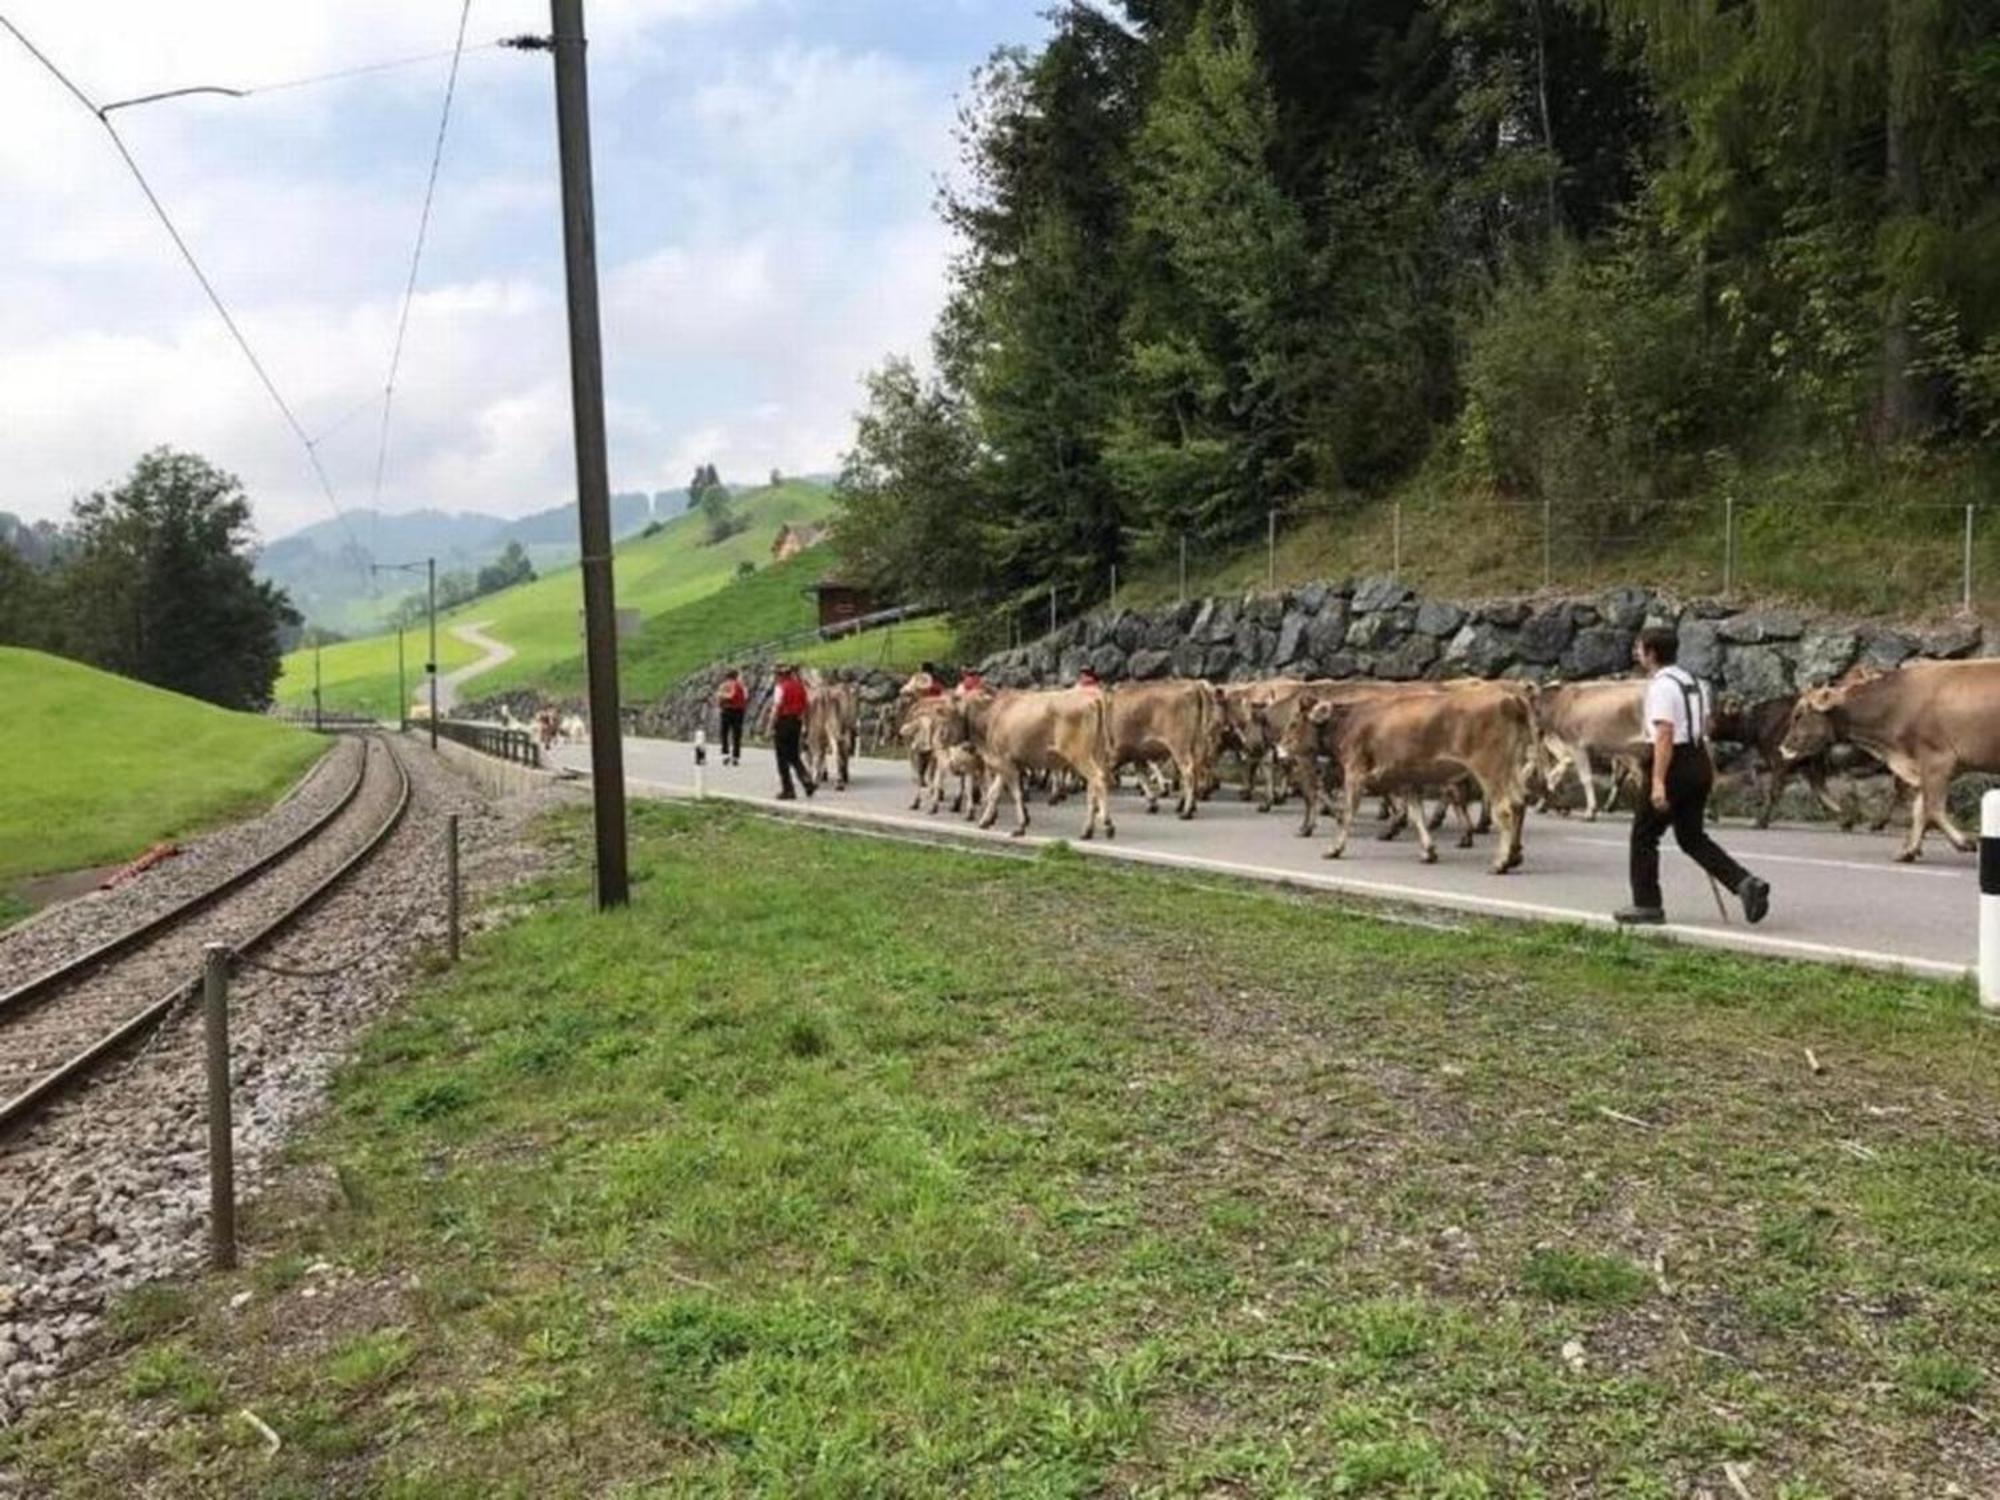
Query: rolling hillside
[(103, 766), (655, 574)]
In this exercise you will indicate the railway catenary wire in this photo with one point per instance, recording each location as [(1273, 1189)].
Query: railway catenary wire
[(65, 1023)]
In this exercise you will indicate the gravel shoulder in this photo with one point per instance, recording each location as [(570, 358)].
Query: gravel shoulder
[(109, 1190)]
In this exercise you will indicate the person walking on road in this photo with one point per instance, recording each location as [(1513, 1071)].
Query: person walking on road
[(734, 701), (1677, 718), (789, 701)]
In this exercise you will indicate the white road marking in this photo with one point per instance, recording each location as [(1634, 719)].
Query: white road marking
[(1882, 867)]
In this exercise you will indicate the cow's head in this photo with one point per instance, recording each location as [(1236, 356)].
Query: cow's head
[(1308, 731), (1812, 728)]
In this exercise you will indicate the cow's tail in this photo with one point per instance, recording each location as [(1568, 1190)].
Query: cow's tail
[(1107, 752)]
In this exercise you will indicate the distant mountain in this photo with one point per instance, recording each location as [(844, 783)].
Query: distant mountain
[(324, 566)]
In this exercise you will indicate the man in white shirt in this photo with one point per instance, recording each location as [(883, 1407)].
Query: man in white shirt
[(1677, 713)]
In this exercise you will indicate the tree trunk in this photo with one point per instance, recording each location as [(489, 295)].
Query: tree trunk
[(1900, 407), (1548, 128)]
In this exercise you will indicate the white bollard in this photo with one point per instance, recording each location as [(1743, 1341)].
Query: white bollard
[(1989, 901), (701, 762)]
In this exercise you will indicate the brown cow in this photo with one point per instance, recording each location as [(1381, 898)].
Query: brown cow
[(1179, 721), (1582, 719), (1416, 740), (833, 724), (1761, 728), (1926, 723), (1015, 732)]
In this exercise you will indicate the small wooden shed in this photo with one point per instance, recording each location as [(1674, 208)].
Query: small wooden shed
[(840, 602)]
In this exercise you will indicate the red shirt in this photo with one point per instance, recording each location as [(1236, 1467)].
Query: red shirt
[(971, 682), (791, 698), (734, 694)]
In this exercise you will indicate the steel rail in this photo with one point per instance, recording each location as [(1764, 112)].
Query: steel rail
[(17, 1110), (124, 942)]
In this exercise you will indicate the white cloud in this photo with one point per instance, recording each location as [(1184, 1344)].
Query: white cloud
[(736, 332)]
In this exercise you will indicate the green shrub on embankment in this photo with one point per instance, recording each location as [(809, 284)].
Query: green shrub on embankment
[(838, 1167), (99, 767)]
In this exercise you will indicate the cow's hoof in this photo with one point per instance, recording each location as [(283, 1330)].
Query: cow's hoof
[(1430, 856), (1465, 841), (1109, 832), (1906, 856), (1511, 862), (1151, 808), (1331, 854)]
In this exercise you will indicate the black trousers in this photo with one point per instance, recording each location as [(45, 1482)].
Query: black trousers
[(787, 732), (732, 734), (1690, 778)]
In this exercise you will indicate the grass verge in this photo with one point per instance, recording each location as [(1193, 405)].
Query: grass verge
[(835, 1167), (101, 766)]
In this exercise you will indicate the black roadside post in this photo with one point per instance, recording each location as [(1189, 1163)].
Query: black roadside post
[(402, 692), (316, 712), (431, 666), (593, 484)]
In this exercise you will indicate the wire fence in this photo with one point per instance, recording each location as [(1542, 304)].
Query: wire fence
[(1904, 558)]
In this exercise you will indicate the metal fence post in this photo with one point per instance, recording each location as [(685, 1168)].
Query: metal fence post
[(1271, 548), (1548, 541), (1728, 544), (1052, 609), (1396, 540), (1114, 587), (1989, 901), (451, 884), (1965, 602), (221, 1138), (1183, 567)]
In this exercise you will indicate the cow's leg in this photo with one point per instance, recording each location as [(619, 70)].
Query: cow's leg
[(1937, 803), (1461, 805), (1422, 824), (1776, 773), (1510, 815), (1899, 787), (1350, 799), (1149, 777), (1190, 773), (1587, 774), (1443, 809), (1020, 802), (1306, 773), (1396, 812), (1815, 774)]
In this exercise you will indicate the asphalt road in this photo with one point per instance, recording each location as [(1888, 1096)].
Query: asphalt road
[(496, 653), (1835, 897)]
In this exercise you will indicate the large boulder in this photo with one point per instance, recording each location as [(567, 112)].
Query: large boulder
[(1506, 613), (1328, 633), (1755, 673), (1374, 632), (1165, 632), (1824, 655), (1268, 610), (1437, 618), (1197, 625), (1311, 597), (1108, 662), (1339, 664), (1886, 649), (1598, 651), (1070, 663), (1292, 638), (1479, 650), (1189, 658), (1216, 666), (1128, 632), (1701, 648), (1221, 624), (1948, 642), (1626, 607), (1546, 635), (1147, 665), (1372, 595), (1757, 627), (1407, 660)]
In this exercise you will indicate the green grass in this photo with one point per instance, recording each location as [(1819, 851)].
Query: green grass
[(100, 766), (1873, 539), (840, 1168), (768, 604), (894, 648), (539, 619)]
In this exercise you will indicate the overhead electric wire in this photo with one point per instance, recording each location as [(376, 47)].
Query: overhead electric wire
[(311, 78), (214, 297), (417, 254)]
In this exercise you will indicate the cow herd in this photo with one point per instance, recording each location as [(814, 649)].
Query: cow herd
[(1428, 750)]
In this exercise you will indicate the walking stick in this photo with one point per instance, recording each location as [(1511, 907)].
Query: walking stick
[(1721, 911)]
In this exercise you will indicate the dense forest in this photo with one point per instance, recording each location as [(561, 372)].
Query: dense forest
[(1220, 256)]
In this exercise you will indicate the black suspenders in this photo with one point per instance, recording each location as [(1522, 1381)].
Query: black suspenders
[(1690, 692)]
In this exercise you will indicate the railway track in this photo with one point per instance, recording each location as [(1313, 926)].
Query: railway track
[(60, 1026)]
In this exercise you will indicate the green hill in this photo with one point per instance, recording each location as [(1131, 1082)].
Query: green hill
[(675, 566), (101, 766)]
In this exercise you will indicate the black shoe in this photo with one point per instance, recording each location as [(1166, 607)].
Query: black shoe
[(809, 786), (788, 795), (1756, 896), (1639, 916)]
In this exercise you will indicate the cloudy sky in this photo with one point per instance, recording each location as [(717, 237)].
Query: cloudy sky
[(765, 176)]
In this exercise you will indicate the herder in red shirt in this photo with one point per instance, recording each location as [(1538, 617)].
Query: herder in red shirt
[(734, 699), (970, 683), (789, 701), (1088, 679)]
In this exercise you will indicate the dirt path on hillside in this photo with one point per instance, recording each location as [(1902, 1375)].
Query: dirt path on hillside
[(496, 653)]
